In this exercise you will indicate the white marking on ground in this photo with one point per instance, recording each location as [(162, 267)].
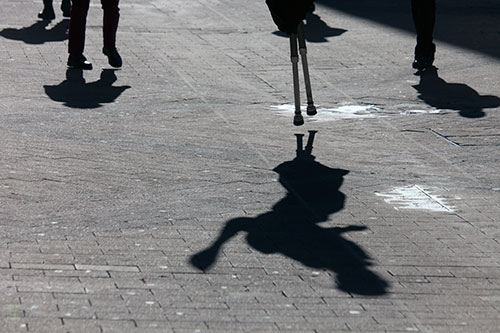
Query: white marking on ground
[(416, 197), (329, 114), (410, 112), (409, 109), (349, 112)]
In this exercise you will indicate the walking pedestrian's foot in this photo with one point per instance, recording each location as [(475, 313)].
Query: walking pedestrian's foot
[(78, 61), (423, 63), (424, 57), (47, 14), (114, 58), (66, 8)]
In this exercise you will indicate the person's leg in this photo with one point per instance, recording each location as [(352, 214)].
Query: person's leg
[(110, 22), (110, 26), (48, 11), (424, 16), (76, 35)]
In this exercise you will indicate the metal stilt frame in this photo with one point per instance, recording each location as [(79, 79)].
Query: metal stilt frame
[(297, 119), (311, 109), (294, 50)]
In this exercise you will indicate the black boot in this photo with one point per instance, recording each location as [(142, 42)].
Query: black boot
[(78, 61), (114, 58), (48, 11), (424, 56), (66, 8)]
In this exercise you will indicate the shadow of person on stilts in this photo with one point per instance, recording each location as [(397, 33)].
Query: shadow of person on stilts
[(291, 227)]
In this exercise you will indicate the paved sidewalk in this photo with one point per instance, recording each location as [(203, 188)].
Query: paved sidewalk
[(176, 195)]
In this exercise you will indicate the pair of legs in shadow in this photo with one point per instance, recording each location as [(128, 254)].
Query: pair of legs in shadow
[(74, 92), (440, 94), (48, 12), (37, 33), (291, 227)]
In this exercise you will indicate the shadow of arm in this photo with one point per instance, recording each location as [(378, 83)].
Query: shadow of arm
[(203, 260)]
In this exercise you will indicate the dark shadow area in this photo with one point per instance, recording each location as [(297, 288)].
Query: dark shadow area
[(38, 33), (468, 24), (75, 93), (440, 94), (291, 227), (316, 30)]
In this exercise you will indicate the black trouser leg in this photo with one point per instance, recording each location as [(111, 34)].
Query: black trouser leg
[(424, 17), (47, 5), (66, 7)]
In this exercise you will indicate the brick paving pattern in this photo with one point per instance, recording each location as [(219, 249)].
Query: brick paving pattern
[(117, 186)]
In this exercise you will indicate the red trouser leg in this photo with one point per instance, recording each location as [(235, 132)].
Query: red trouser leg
[(110, 22), (76, 35)]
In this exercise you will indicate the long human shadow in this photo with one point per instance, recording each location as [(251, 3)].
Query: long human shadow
[(316, 30), (74, 92), (440, 94), (467, 24), (291, 227), (37, 33)]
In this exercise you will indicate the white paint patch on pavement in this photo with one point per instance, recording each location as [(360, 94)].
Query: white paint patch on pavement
[(348, 112), (415, 109), (416, 197), (331, 114), (411, 112)]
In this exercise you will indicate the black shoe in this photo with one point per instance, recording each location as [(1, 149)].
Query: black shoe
[(424, 57), (66, 8), (78, 61), (47, 14), (114, 58)]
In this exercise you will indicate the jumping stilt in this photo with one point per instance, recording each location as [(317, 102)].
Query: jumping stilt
[(311, 109), (288, 16), (297, 119)]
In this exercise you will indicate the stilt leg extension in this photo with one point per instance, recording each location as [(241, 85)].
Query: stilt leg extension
[(311, 109), (297, 119)]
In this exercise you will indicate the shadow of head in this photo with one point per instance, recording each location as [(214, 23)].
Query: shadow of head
[(440, 94), (37, 33), (315, 185)]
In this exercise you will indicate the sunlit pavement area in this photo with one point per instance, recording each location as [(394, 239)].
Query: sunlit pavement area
[(176, 195)]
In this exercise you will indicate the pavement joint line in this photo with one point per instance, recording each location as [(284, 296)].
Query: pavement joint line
[(443, 137)]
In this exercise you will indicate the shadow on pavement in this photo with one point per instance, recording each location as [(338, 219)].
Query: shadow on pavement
[(291, 229), (38, 33), (75, 93), (468, 24), (316, 30), (440, 94)]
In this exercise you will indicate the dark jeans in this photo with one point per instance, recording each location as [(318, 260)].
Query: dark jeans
[(424, 17), (79, 20), (48, 3)]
